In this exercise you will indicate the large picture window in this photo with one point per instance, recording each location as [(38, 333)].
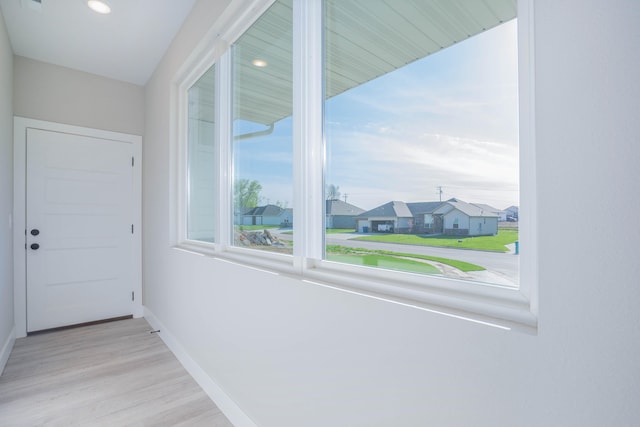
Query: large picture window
[(421, 125), (372, 146)]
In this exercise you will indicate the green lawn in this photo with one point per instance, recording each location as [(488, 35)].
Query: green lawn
[(336, 251), (484, 243), (384, 261), (331, 231)]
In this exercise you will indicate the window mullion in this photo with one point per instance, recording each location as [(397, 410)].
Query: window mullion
[(308, 150), (223, 150)]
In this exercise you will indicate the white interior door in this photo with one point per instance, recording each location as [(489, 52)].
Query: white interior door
[(79, 237)]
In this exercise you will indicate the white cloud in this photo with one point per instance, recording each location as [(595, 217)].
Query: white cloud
[(450, 121)]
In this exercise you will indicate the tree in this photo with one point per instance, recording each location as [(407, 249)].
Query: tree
[(246, 194), (332, 192)]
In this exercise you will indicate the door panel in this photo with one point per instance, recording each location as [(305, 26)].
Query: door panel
[(80, 199)]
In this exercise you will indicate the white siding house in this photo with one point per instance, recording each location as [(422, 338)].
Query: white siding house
[(465, 219), (268, 215)]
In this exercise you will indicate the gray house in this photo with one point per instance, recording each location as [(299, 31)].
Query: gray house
[(458, 218), (339, 214), (267, 215), (502, 214), (392, 217), (512, 212), (452, 217)]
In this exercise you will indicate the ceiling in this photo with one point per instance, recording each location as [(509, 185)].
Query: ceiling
[(125, 45), (364, 40)]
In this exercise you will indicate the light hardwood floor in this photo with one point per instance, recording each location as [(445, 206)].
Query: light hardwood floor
[(111, 374)]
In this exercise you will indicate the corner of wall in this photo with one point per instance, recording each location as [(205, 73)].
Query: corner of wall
[(7, 329), (230, 408)]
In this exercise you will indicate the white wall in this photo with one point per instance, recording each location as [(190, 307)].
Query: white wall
[(49, 92), (294, 354), (6, 189)]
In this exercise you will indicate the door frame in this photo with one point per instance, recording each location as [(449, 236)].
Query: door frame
[(20, 126)]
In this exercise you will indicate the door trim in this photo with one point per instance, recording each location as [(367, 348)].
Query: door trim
[(20, 126)]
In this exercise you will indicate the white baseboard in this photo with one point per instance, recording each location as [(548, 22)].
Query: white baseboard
[(228, 407), (6, 349)]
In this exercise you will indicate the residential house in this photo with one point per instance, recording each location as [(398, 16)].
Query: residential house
[(267, 215), (392, 217), (453, 218), (281, 350), (424, 220), (339, 214), (502, 215), (465, 219), (512, 212)]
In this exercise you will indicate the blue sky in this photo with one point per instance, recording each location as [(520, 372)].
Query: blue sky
[(447, 120)]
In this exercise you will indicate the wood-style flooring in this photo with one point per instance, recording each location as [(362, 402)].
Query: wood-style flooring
[(111, 374)]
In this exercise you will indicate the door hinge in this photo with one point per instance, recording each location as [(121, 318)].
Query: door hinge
[(133, 298), (131, 228), (132, 161)]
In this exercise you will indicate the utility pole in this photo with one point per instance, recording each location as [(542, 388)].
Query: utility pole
[(345, 197), (439, 192)]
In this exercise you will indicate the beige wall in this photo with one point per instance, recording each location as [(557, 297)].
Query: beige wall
[(58, 94), (6, 188)]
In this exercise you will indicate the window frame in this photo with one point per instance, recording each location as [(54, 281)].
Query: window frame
[(494, 305)]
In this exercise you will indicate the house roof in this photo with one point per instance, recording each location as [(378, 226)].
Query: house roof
[(267, 210), (488, 208), (393, 209), (338, 207), (398, 209), (418, 208), (471, 209), (368, 48)]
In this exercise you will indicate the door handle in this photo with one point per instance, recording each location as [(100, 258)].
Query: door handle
[(35, 246), (35, 232)]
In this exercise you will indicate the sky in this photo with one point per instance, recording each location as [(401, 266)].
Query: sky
[(449, 120)]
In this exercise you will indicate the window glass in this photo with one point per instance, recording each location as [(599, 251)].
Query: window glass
[(421, 131), (262, 133), (201, 159)]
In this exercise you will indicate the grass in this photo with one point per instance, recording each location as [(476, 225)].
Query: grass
[(336, 251), (495, 243), (383, 261), (331, 231)]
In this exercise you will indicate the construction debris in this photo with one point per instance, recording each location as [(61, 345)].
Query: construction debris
[(257, 238)]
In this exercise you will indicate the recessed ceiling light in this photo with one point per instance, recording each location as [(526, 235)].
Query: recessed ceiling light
[(99, 6), (260, 63)]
